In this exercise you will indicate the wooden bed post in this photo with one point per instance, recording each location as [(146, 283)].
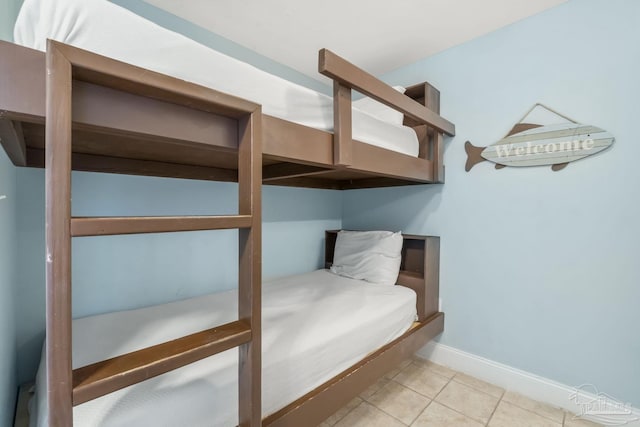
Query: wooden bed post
[(342, 136), (432, 102), (430, 138), (250, 269), (58, 238)]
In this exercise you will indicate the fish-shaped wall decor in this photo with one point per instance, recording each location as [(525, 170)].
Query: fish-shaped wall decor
[(534, 144)]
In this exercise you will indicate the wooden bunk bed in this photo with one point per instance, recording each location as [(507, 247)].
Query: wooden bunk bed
[(106, 116), (119, 132)]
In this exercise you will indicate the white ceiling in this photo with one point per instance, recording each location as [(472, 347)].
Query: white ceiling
[(377, 35)]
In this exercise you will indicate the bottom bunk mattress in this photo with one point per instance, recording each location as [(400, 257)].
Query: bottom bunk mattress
[(315, 326)]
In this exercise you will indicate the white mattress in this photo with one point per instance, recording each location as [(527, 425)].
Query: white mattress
[(110, 30), (315, 325)]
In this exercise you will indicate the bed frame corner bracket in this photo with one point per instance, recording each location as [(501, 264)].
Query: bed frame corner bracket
[(12, 139)]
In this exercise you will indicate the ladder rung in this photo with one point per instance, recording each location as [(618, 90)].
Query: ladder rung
[(98, 379), (104, 226)]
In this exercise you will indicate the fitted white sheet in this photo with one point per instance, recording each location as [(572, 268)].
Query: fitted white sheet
[(315, 325), (110, 30)]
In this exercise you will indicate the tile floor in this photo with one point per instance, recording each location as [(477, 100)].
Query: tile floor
[(422, 394)]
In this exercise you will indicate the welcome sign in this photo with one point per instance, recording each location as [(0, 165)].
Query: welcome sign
[(531, 144)]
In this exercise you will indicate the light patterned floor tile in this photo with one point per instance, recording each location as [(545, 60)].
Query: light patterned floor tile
[(374, 388), (569, 421), (508, 415), (399, 401), (421, 379), (438, 369), (473, 382), (343, 411), (471, 402), (547, 411), (397, 370), (437, 415), (367, 415)]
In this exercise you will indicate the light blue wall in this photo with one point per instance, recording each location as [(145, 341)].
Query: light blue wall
[(8, 385), (539, 269), (122, 272), (221, 44), (8, 12)]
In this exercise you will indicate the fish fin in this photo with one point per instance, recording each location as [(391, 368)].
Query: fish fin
[(500, 166), (473, 155), (521, 127), (559, 166)]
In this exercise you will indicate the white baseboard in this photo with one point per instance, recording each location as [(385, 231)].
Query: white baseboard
[(530, 385)]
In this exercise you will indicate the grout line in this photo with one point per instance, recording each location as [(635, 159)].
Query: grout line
[(536, 413), (380, 389), (423, 411), (539, 414), (477, 389), (392, 416), (496, 407), (474, 389), (346, 413)]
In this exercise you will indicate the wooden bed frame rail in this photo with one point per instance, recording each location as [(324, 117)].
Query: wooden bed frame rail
[(424, 117), (130, 133), (67, 387)]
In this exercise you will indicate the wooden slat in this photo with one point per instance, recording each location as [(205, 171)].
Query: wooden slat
[(12, 141), (326, 184), (22, 80), (118, 75), (98, 379), (342, 125), (250, 269), (432, 274), (288, 141), (106, 226), (58, 238), (438, 158), (290, 170), (367, 158), (375, 183), (340, 70), (93, 107), (120, 165)]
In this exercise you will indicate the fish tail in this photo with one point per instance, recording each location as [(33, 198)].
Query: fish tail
[(473, 155)]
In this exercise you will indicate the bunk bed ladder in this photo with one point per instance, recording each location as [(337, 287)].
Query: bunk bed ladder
[(67, 387)]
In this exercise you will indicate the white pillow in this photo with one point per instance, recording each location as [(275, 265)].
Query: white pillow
[(373, 256), (379, 110)]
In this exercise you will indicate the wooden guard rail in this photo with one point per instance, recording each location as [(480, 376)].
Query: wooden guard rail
[(346, 77), (67, 387), (98, 379)]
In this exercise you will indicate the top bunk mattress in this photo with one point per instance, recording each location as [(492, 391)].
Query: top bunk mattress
[(110, 30), (315, 325)]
